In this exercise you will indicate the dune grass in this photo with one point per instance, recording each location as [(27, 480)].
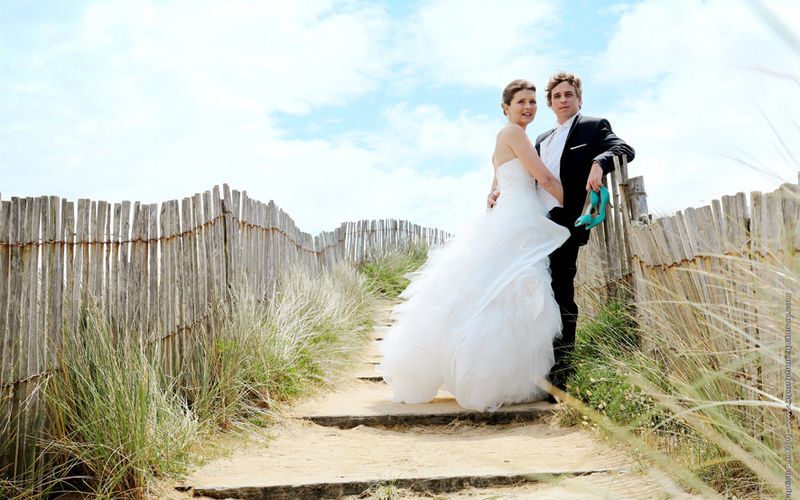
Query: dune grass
[(113, 415), (116, 420), (386, 274), (266, 353), (694, 384)]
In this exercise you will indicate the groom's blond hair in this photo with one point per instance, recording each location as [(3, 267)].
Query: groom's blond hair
[(560, 77)]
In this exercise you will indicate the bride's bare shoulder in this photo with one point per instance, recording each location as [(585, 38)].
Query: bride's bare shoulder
[(510, 130)]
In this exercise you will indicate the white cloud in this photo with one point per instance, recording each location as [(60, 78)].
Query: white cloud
[(246, 55), (474, 43), (387, 173), (426, 136), (323, 183), (695, 93), (155, 100), (179, 68)]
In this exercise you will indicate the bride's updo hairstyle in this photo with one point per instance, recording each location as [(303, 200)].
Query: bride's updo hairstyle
[(514, 87)]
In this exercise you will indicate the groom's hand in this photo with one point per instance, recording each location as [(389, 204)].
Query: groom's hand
[(595, 178), (492, 199)]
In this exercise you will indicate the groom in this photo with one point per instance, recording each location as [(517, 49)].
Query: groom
[(578, 151)]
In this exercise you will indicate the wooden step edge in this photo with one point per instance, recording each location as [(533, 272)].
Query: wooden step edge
[(444, 484), (499, 417)]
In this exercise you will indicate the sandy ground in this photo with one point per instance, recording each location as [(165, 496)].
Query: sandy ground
[(360, 398), (303, 451)]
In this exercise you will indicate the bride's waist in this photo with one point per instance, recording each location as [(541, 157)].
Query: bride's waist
[(529, 191), (518, 199)]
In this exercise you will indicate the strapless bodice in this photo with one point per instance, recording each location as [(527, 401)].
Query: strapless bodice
[(513, 175), (518, 186)]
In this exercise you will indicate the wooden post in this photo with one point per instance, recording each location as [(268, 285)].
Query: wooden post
[(7, 358), (229, 243), (123, 276), (153, 317), (82, 257), (624, 211), (638, 200), (6, 336)]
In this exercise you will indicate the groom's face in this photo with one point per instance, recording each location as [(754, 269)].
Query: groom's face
[(564, 101)]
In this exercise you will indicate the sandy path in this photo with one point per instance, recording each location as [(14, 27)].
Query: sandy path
[(366, 442)]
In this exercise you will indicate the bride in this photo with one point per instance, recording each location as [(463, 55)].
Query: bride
[(479, 318)]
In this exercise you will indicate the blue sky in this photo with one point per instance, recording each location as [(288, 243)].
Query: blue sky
[(346, 110)]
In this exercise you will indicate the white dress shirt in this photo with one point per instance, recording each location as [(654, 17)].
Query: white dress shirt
[(551, 149)]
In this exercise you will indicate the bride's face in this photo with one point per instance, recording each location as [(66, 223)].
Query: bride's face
[(522, 108)]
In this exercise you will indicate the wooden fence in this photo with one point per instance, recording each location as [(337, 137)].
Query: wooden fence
[(721, 281), (153, 271)]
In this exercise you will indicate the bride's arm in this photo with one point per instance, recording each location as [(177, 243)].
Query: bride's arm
[(519, 143)]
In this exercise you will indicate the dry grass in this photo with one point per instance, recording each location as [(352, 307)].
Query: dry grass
[(704, 395), (117, 420)]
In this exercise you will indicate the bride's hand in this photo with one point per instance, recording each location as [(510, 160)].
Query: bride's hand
[(491, 200)]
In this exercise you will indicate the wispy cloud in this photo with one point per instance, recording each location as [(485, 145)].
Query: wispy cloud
[(427, 137), (457, 42)]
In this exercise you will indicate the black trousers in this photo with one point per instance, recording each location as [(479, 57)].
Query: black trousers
[(563, 266)]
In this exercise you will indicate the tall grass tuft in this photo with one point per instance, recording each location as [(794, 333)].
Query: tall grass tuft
[(386, 274), (326, 321), (18, 480), (721, 368), (114, 420), (266, 353), (706, 386), (605, 347)]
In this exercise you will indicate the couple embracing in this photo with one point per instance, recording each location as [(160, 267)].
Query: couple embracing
[(491, 316)]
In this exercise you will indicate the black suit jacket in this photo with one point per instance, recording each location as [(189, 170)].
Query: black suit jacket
[(590, 139)]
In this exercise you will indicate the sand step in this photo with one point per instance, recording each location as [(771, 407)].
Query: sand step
[(368, 403), (310, 461), (622, 484), (357, 488), (366, 371)]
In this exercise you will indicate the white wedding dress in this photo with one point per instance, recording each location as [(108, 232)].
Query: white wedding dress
[(479, 317)]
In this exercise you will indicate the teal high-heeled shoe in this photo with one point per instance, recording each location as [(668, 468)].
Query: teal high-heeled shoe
[(594, 208), (601, 208), (589, 207)]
